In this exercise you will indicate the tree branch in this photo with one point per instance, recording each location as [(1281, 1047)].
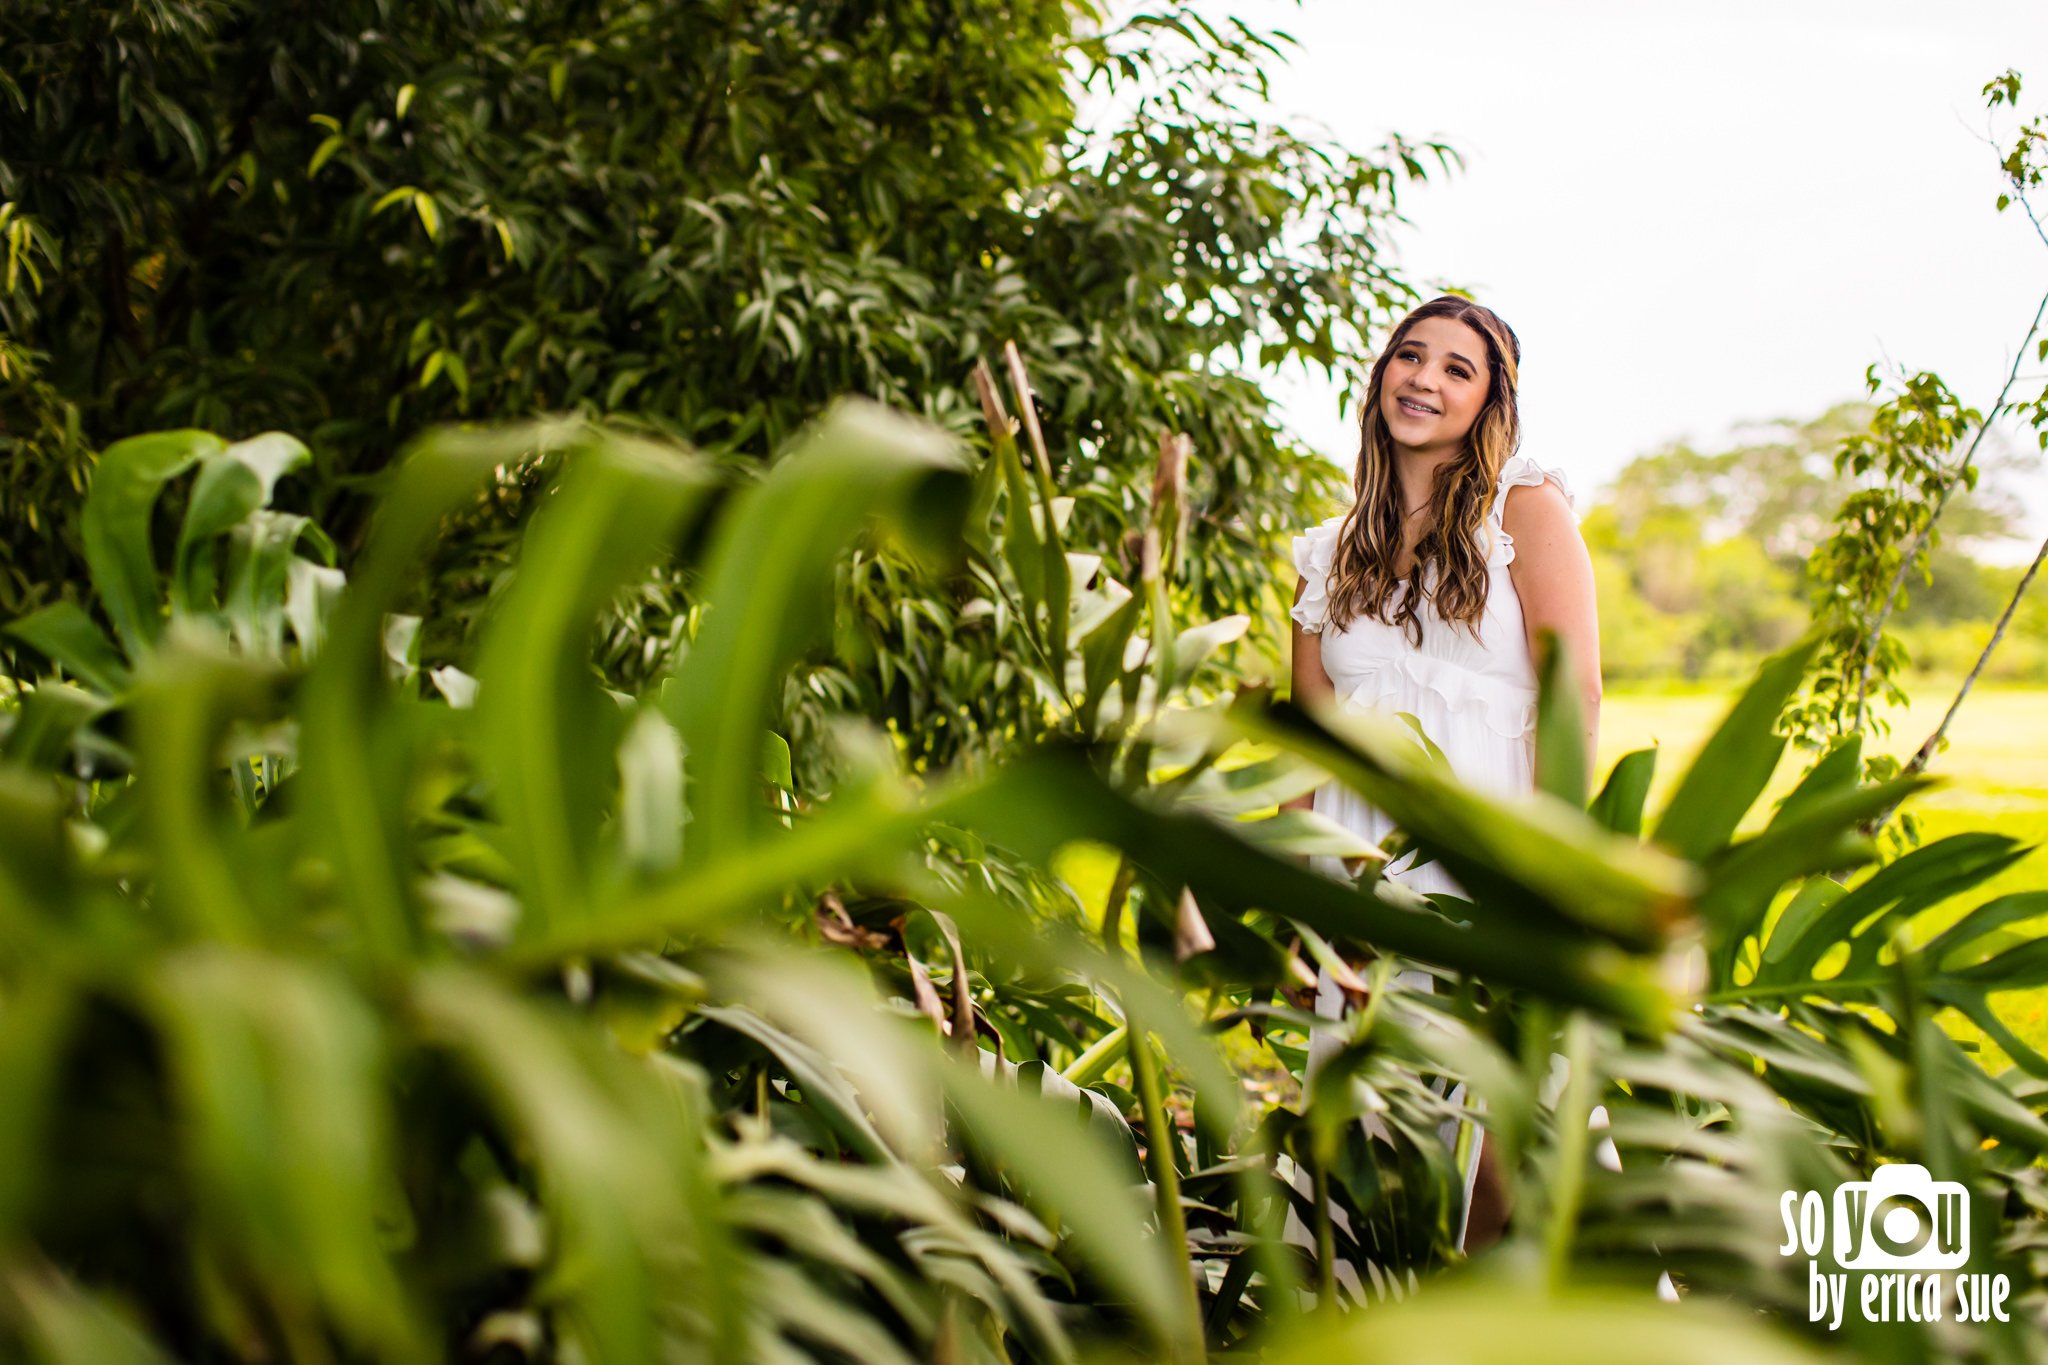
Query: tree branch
[(1925, 754), (2020, 198), (1948, 487), (1926, 751)]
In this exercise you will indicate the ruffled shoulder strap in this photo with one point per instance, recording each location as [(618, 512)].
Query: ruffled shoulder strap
[(1521, 470), (1314, 552)]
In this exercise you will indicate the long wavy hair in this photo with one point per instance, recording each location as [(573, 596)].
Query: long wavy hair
[(1450, 558)]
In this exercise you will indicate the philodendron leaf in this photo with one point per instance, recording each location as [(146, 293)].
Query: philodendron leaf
[(356, 749), (944, 1241), (805, 1311), (1737, 761), (115, 526), (830, 1007), (1532, 856), (68, 638), (1962, 967), (1619, 806), (768, 592), (550, 733), (812, 1227), (1078, 1181), (1865, 917), (1958, 946), (1812, 836), (271, 1055), (233, 483), (825, 1091)]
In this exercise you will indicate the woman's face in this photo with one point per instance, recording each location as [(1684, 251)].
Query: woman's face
[(1435, 383)]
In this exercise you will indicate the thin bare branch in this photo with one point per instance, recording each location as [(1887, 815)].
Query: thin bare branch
[(1962, 466), (1027, 407), (2032, 217), (1926, 751)]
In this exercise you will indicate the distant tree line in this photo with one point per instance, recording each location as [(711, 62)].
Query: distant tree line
[(1702, 559)]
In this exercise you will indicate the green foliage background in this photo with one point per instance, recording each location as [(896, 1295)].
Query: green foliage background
[(707, 217), (589, 889)]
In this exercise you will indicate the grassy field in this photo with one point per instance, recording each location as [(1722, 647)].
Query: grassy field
[(1995, 777)]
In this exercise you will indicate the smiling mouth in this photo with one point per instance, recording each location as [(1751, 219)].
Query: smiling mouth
[(1409, 405)]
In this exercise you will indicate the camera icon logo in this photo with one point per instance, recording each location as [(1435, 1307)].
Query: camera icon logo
[(1902, 1219)]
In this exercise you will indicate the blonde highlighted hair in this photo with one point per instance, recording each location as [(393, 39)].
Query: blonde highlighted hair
[(1450, 558)]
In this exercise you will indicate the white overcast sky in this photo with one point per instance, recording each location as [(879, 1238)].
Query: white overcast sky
[(1695, 216)]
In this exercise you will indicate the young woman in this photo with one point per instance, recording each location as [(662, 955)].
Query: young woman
[(1428, 595)]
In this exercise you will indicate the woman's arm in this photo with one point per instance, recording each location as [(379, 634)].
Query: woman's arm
[(1553, 575), (1311, 682)]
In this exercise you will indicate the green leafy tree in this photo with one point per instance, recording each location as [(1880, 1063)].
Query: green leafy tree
[(708, 218), (1776, 486), (1699, 555), (1710, 560)]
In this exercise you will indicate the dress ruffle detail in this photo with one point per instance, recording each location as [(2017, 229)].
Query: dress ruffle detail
[(1509, 711), (1521, 471), (1314, 552)]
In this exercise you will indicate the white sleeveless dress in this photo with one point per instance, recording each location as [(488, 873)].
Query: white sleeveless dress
[(1473, 694)]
